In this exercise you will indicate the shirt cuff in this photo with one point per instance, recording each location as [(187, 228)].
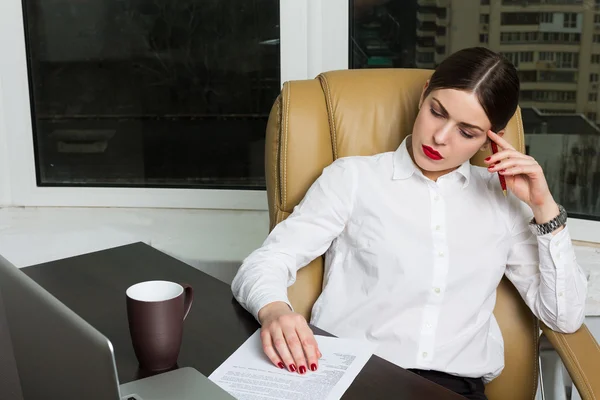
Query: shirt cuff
[(556, 249)]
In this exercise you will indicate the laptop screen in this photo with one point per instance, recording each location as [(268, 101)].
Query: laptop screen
[(57, 354)]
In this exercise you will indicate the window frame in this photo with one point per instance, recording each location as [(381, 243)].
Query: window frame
[(310, 44)]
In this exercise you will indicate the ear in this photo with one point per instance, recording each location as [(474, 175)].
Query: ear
[(422, 98), (486, 146)]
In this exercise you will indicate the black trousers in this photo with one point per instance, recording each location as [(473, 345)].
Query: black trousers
[(471, 388)]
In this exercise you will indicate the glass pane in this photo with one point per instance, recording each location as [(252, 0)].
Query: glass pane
[(154, 93), (561, 112)]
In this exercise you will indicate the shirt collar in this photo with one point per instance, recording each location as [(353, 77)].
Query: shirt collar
[(404, 167)]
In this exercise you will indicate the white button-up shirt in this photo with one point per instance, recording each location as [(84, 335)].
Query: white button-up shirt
[(413, 265)]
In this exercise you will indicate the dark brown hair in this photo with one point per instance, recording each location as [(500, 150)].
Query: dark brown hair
[(489, 75)]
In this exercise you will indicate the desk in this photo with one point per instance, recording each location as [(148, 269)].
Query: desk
[(93, 285)]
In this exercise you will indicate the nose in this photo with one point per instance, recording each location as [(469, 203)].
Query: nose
[(442, 135)]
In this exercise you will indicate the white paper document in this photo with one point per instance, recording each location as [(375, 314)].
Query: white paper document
[(248, 374)]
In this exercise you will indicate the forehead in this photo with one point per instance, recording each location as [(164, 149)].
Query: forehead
[(462, 106)]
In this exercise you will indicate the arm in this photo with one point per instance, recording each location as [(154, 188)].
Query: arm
[(542, 268), (306, 234), (545, 272)]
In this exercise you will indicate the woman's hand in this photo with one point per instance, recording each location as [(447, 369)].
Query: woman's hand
[(524, 178), (287, 340)]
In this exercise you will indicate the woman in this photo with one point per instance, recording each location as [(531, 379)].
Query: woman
[(417, 241)]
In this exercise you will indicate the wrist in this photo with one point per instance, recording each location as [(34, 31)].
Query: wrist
[(274, 308), (545, 212)]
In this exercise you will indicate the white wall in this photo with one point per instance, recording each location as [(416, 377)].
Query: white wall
[(215, 241)]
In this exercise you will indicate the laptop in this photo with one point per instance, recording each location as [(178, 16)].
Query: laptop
[(58, 355)]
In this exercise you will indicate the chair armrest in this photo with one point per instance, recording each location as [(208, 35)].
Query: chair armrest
[(580, 353)]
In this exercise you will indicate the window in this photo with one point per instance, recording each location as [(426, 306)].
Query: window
[(591, 116), (552, 57), (513, 57), (526, 56), (428, 41), (425, 57), (427, 26), (592, 96), (179, 91), (551, 95), (546, 18), (594, 77), (597, 19), (527, 76), (518, 37), (567, 59), (152, 93), (557, 76), (570, 20), (520, 18)]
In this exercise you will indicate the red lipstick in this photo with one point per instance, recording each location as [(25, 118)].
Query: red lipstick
[(431, 153)]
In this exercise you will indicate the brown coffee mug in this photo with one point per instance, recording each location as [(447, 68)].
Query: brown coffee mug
[(156, 311)]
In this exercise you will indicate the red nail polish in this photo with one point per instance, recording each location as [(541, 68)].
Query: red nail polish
[(488, 159), (502, 170), (313, 367), (280, 365), (302, 369), (292, 368)]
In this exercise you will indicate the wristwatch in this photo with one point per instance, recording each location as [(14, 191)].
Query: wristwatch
[(550, 226)]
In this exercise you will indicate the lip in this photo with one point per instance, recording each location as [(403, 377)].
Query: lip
[(431, 153)]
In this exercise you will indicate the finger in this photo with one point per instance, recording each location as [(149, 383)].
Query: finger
[(293, 343), (500, 141), (310, 346), (269, 350), (501, 155), (281, 345), (511, 162), (522, 170)]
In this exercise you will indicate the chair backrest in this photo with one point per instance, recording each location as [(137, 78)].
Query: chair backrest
[(365, 112)]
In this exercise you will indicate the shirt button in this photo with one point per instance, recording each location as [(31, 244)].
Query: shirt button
[(436, 198), (424, 354), (558, 256), (428, 325), (437, 227), (437, 289), (441, 254), (560, 294)]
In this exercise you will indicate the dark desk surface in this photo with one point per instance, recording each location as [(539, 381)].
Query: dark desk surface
[(93, 285)]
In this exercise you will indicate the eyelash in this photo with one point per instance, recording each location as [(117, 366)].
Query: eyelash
[(438, 115)]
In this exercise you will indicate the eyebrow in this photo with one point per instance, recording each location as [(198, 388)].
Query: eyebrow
[(445, 112)]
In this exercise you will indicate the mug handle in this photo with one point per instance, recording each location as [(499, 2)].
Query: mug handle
[(188, 293)]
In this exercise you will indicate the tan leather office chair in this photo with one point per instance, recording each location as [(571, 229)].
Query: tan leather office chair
[(364, 112)]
